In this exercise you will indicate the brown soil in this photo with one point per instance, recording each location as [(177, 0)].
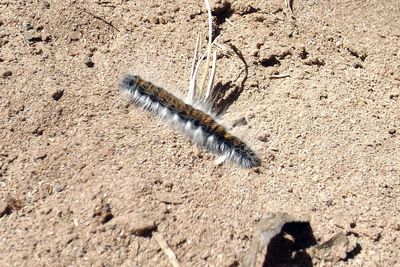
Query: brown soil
[(85, 180)]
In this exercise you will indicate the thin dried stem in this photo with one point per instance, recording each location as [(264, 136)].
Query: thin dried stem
[(192, 78), (212, 74), (209, 46), (166, 249)]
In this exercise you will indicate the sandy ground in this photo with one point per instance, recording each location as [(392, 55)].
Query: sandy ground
[(86, 180)]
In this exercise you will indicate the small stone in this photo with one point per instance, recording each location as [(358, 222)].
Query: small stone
[(204, 254), (259, 18), (58, 188), (46, 210), (38, 131), (89, 62), (323, 95), (392, 131), (375, 234), (264, 137), (4, 209), (269, 61), (324, 197), (9, 206), (315, 61), (46, 4), (136, 224), (33, 38), (28, 26), (75, 36), (47, 38), (339, 42), (142, 227), (103, 211), (163, 208), (7, 73), (57, 94)]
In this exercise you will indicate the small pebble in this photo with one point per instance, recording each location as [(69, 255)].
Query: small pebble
[(7, 73), (28, 26), (264, 137), (33, 38), (57, 94), (323, 95), (58, 188), (143, 227), (89, 62), (4, 209), (9, 206), (103, 212)]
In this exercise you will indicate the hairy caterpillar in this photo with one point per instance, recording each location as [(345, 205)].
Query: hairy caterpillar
[(199, 126)]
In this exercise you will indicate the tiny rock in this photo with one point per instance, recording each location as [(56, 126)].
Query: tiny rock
[(264, 137), (89, 62), (142, 227), (57, 94), (58, 188), (136, 224), (103, 211), (4, 209), (7, 73), (33, 38)]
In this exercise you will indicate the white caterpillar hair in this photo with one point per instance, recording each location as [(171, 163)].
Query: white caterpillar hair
[(200, 127)]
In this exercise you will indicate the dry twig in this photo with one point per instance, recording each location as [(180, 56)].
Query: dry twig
[(100, 18), (166, 249), (279, 76), (209, 46)]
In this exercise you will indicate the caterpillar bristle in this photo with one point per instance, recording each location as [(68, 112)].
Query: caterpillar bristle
[(199, 126)]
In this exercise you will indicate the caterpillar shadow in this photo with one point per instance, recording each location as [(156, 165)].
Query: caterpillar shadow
[(226, 94)]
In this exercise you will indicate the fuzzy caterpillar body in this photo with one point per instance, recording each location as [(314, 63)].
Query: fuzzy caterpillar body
[(200, 127)]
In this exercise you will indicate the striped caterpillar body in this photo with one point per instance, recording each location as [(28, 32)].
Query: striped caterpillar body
[(200, 127)]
